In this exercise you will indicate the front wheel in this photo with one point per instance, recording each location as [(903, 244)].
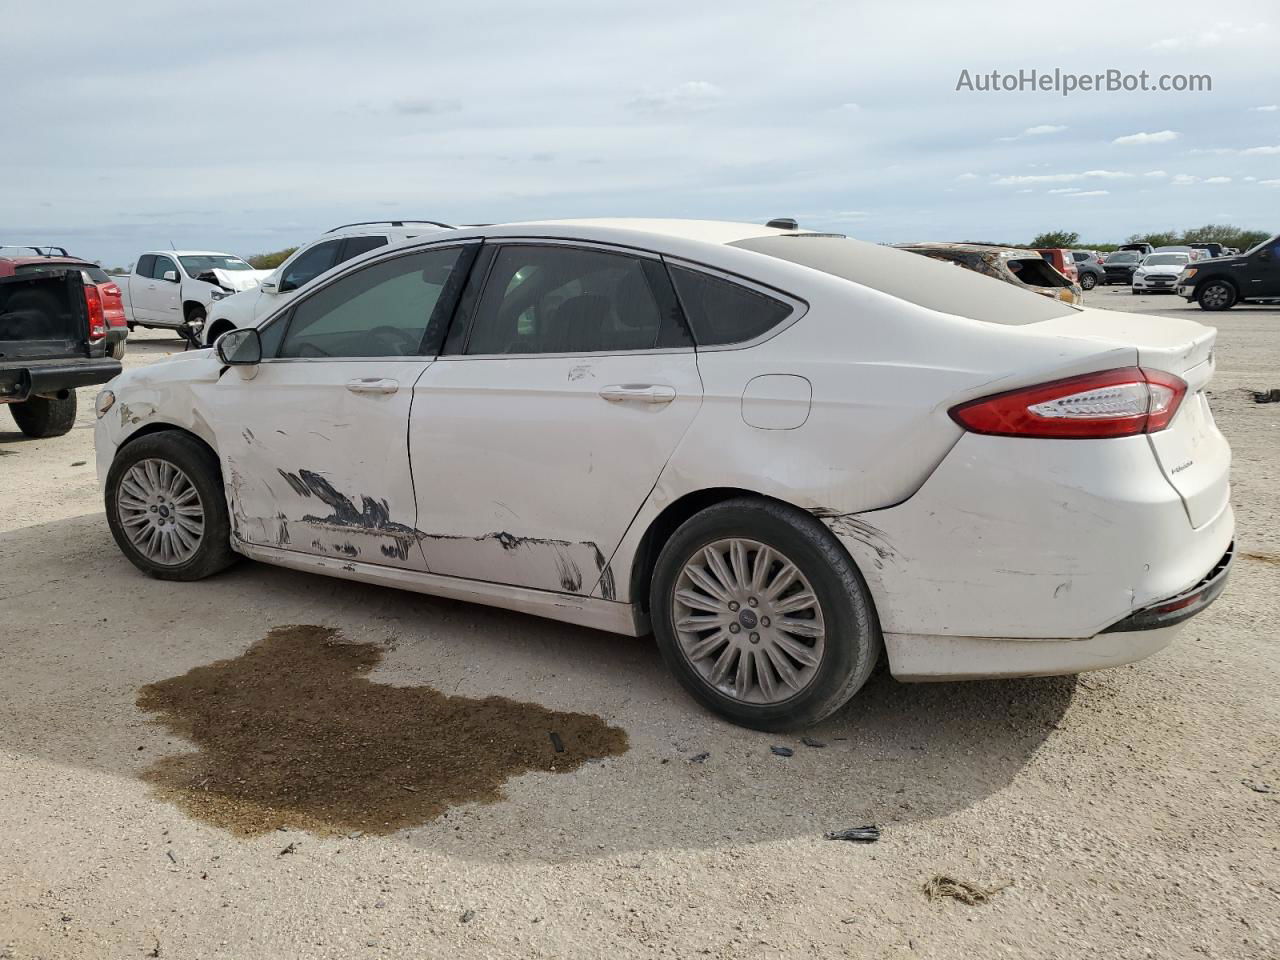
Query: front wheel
[(762, 616), (166, 507), (1216, 295), (43, 417)]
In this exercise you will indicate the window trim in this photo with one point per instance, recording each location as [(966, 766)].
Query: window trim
[(284, 314), (284, 267), (799, 308), (498, 243)]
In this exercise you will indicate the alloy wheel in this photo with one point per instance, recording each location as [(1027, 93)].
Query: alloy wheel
[(161, 512), (748, 621)]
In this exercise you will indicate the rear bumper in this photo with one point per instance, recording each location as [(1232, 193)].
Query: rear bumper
[(20, 381)]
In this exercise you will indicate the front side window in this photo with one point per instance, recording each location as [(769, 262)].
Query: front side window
[(163, 265), (381, 310), (553, 299), (722, 312), (309, 265)]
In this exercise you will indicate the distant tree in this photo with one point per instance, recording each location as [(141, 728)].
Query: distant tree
[(1226, 235), (1056, 238), (1167, 238), (269, 261), (1249, 238)]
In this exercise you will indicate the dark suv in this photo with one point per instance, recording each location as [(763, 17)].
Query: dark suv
[(1219, 283), (1119, 266)]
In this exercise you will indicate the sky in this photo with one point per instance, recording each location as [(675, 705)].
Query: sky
[(249, 127)]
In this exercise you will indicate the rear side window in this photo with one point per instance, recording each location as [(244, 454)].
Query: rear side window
[(146, 264), (553, 299), (722, 312), (358, 245)]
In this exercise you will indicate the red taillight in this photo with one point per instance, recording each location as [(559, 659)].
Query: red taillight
[(112, 305), (97, 319), (1114, 403)]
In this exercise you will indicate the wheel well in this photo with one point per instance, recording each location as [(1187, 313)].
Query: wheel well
[(217, 329), (662, 527), (190, 306), (151, 428)]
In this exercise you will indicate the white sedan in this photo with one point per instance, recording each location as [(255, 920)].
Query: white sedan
[(1158, 271), (785, 453)]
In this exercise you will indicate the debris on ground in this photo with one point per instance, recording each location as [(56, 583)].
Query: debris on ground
[(813, 742), (291, 848), (172, 858), (855, 834), (155, 949), (363, 756), (1258, 787), (782, 751), (467, 916), (1266, 396), (556, 742), (700, 758), (937, 887)]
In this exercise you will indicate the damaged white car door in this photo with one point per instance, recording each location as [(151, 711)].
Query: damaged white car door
[(324, 469), (563, 389)]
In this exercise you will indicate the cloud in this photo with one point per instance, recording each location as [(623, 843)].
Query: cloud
[(1036, 131), (1269, 108), (1063, 177), (1270, 183), (425, 106), (967, 176), (1026, 190), (1162, 136), (1250, 179), (1261, 151), (688, 96), (1182, 179), (849, 107), (1065, 190), (1217, 180), (1090, 193), (1155, 173)]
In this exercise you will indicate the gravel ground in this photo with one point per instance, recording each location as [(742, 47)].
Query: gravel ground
[(1115, 805)]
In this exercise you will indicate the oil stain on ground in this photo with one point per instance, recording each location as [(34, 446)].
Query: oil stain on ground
[(293, 732)]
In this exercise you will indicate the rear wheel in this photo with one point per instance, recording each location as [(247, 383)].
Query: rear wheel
[(762, 616), (116, 350), (167, 509), (1216, 295), (1088, 281), (45, 417)]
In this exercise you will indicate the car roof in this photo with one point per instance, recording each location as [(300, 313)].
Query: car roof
[(720, 232)]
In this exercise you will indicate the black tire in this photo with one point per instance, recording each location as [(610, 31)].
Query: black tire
[(1134, 292), (1216, 295), (131, 325), (853, 642), (200, 464), (43, 417), (116, 350), (1088, 281)]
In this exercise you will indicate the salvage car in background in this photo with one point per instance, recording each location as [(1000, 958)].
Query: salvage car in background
[(174, 289), (305, 264), (1221, 282), (1089, 268), (1022, 268), (1119, 266), (777, 449), (102, 294), (1158, 271), (53, 339)]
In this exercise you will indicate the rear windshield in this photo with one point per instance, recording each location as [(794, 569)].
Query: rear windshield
[(95, 273), (929, 283)]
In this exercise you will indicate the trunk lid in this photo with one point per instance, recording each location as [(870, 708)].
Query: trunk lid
[(1191, 451)]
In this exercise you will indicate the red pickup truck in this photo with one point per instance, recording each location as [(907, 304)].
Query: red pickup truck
[(60, 328)]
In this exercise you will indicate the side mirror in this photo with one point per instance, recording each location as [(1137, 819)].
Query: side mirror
[(171, 276), (268, 286), (240, 348)]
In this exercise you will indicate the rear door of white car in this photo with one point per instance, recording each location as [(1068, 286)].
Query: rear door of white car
[(566, 383), (313, 439)]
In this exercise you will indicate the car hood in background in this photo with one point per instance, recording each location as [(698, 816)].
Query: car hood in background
[(239, 280)]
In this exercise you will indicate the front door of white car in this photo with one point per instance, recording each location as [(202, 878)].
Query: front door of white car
[(567, 382), (313, 439)]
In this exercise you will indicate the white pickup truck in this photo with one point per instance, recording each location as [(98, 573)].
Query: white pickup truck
[(170, 288)]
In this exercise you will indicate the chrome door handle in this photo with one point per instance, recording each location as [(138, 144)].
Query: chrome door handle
[(638, 393), (373, 385)]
